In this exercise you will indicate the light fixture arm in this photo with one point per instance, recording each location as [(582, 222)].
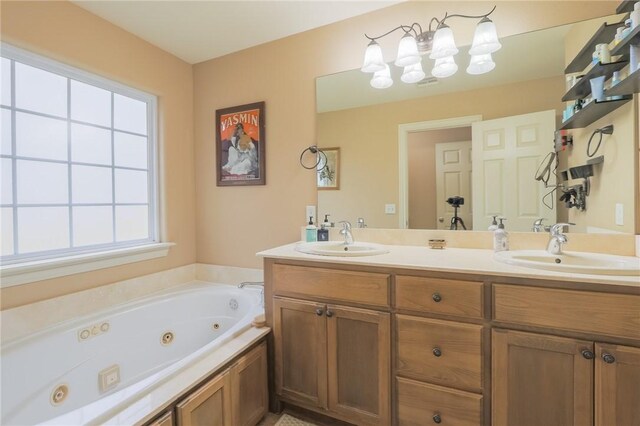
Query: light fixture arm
[(447, 16), (406, 28)]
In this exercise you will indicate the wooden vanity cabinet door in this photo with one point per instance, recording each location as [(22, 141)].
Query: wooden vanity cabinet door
[(359, 364), (540, 380), (617, 395), (210, 405), (249, 384), (165, 420), (300, 337)]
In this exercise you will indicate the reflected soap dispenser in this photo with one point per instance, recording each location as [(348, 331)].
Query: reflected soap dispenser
[(323, 232), (494, 224), (311, 231), (500, 238)]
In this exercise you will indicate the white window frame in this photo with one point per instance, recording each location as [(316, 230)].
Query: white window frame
[(18, 268)]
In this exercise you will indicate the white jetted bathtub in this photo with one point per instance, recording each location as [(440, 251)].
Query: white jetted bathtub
[(86, 368)]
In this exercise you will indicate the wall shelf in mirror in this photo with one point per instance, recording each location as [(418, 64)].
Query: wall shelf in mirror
[(622, 48), (583, 87), (625, 6), (592, 112), (629, 85), (604, 34)]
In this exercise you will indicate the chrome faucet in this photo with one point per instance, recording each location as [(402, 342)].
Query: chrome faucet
[(361, 223), (254, 284), (539, 227), (346, 231), (557, 238)]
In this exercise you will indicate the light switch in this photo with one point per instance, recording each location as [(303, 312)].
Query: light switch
[(390, 208)]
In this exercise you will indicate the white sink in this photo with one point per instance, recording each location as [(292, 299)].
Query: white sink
[(582, 263), (339, 248)]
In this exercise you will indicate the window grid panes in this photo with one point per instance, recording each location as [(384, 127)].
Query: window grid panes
[(77, 159)]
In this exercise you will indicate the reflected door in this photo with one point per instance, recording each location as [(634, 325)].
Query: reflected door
[(453, 178), (506, 155)]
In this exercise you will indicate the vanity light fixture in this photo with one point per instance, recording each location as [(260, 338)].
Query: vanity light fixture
[(440, 45)]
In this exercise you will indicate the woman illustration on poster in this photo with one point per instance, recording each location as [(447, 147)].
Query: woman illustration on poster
[(243, 156)]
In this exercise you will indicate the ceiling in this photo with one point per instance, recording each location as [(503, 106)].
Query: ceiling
[(197, 31)]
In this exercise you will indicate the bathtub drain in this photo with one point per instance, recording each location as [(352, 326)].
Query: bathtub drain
[(167, 338), (59, 394), (216, 326)]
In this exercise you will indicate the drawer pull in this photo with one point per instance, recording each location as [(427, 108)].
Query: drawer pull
[(587, 354), (436, 297), (437, 352), (437, 418), (329, 313), (608, 358), (319, 312)]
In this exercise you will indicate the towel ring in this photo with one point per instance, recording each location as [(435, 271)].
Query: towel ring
[(321, 158)]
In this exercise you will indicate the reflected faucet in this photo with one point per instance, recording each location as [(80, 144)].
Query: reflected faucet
[(557, 238), (539, 227), (346, 231), (361, 223)]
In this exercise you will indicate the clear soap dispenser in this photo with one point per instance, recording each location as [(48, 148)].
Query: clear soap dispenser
[(500, 238)]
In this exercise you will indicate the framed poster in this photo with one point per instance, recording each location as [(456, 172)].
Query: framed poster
[(240, 145), (329, 170)]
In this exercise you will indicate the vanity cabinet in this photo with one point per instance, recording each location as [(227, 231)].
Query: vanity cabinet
[(332, 357), (211, 404), (398, 346)]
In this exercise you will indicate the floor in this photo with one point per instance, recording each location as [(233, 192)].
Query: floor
[(283, 419)]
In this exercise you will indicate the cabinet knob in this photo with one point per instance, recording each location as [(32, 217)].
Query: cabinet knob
[(437, 418), (587, 354), (319, 312), (436, 297), (329, 313), (437, 352), (608, 358)]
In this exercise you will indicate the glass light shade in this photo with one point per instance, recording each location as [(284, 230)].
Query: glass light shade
[(485, 39), (413, 73), (373, 60), (443, 43), (444, 67), (382, 79), (407, 52), (480, 64)]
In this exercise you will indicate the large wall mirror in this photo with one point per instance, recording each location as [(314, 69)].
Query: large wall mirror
[(405, 150)]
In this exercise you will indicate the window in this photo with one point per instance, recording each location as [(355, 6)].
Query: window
[(77, 161)]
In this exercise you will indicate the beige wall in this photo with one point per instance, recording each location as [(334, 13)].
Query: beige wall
[(421, 151), (65, 32), (369, 140)]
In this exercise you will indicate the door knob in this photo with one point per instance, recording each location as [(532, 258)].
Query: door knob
[(437, 352), (319, 312), (608, 358), (437, 418), (436, 297), (587, 354), (329, 314)]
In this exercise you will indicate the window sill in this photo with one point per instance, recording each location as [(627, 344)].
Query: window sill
[(27, 272)]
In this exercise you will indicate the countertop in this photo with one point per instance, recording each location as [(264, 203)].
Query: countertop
[(453, 260)]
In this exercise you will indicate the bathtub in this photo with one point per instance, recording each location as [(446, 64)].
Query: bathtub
[(86, 370)]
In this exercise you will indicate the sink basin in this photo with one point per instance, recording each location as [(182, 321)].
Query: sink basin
[(338, 248), (582, 263)]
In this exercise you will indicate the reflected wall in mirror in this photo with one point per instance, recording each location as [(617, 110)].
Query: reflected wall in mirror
[(390, 156)]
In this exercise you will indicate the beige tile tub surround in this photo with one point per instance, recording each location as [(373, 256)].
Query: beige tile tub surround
[(618, 244), (33, 317)]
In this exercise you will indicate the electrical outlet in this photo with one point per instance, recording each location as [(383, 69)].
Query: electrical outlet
[(619, 214), (311, 211), (390, 208)]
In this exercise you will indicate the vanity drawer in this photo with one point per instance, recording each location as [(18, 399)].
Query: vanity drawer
[(443, 352), (365, 288), (420, 403), (441, 296), (586, 311)]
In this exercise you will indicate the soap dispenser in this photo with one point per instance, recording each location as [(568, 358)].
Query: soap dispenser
[(500, 238), (494, 224), (311, 230), (323, 232)]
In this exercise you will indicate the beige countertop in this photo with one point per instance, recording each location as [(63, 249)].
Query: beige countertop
[(456, 260)]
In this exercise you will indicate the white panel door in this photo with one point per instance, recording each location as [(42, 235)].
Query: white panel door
[(453, 178), (506, 154)]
